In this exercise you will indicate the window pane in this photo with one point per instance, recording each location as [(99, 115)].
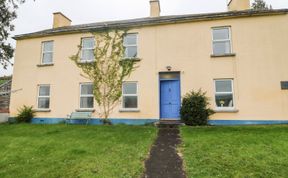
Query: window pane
[(169, 75), (86, 102), (224, 100), (47, 58), (43, 103), (87, 89), (130, 39), (129, 88), (221, 47), (224, 86), (131, 52), (88, 55), (221, 34), (130, 102), (48, 46), (44, 91), (88, 42)]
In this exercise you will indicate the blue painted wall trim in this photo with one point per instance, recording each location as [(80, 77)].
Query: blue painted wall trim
[(47, 120), (247, 122), (93, 121), (96, 121)]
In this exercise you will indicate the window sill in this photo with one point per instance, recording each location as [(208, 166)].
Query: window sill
[(132, 59), (223, 55), (89, 62), (42, 110), (226, 110), (129, 110), (85, 110), (45, 65), (85, 62)]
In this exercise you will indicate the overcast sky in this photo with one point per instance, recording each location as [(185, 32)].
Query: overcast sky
[(37, 15)]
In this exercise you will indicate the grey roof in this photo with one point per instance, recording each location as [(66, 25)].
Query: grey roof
[(149, 21)]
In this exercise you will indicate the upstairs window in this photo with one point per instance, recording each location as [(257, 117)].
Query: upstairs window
[(224, 94), (130, 44), (130, 96), (87, 52), (86, 96), (222, 41), (44, 97), (47, 52)]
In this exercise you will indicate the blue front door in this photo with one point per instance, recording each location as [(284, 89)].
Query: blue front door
[(170, 99)]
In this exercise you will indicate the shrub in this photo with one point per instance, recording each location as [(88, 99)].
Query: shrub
[(195, 109), (25, 114)]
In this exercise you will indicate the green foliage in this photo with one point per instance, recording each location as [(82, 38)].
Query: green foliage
[(25, 114), (260, 5), (194, 110), (7, 15), (108, 70), (5, 79)]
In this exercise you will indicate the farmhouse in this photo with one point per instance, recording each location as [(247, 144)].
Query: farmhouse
[(239, 57)]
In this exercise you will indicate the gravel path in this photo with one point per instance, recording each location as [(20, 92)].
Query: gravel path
[(164, 162)]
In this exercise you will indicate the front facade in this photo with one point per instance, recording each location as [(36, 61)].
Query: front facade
[(238, 57)]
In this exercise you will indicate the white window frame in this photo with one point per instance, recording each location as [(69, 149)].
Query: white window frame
[(82, 48), (232, 92), (85, 95), (123, 95), (44, 52), (225, 40), (48, 96), (135, 45)]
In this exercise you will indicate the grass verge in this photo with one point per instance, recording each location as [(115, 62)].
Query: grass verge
[(74, 151), (242, 151)]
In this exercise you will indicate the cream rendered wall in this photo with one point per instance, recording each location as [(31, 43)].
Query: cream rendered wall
[(259, 65), (64, 79)]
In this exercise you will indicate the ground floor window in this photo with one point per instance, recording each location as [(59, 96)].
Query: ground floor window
[(86, 96), (130, 95), (44, 96), (224, 93)]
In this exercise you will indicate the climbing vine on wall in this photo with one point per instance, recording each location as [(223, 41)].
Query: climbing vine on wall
[(108, 70)]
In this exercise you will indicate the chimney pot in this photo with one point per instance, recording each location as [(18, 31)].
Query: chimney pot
[(60, 20)]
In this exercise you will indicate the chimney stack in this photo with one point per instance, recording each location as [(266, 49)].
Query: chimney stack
[(154, 8), (60, 20), (238, 5)]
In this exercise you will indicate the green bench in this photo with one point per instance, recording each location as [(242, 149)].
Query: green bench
[(79, 115)]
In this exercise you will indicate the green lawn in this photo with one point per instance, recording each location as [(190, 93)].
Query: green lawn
[(28, 151), (249, 151)]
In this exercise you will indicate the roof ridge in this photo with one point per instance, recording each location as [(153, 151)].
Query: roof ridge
[(145, 21)]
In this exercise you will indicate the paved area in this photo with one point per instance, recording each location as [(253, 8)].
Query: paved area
[(164, 162)]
